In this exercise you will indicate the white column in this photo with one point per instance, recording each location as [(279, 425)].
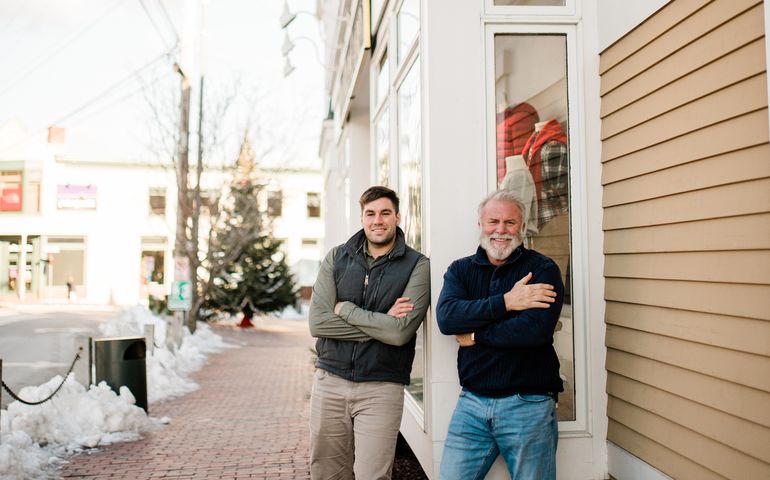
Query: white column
[(22, 267)]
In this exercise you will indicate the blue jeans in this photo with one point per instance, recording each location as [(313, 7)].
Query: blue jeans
[(521, 428)]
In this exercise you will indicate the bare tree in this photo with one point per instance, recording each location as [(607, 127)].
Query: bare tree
[(217, 126)]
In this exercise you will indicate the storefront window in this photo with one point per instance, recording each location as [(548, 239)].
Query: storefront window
[(556, 3), (409, 158), (532, 158), (383, 80), (382, 147), (408, 26), (10, 191), (410, 191)]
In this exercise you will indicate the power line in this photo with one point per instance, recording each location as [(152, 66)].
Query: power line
[(91, 101), (120, 99), (154, 24), (111, 88), (168, 20), (41, 61), (12, 17), (23, 31)]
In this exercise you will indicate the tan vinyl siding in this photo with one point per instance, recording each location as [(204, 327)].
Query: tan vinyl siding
[(686, 175)]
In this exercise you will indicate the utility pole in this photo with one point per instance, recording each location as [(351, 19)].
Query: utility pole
[(181, 248), (196, 199), (182, 168), (193, 317)]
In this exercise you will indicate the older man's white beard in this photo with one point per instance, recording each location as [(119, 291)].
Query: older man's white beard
[(499, 252)]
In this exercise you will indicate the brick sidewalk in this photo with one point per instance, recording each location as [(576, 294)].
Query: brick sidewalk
[(247, 420)]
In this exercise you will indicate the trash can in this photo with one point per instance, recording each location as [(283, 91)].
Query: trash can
[(121, 362)]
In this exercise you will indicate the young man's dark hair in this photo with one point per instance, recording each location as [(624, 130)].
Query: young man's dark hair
[(375, 193)]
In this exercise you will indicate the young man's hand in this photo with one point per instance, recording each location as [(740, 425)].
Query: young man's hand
[(524, 296), (401, 308)]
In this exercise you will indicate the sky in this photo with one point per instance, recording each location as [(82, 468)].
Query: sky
[(83, 418), (94, 67)]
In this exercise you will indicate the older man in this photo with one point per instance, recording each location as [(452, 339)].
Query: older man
[(503, 304)]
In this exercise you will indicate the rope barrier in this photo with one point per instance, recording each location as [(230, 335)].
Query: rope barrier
[(17, 398)]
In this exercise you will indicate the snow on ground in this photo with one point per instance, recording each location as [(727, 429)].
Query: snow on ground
[(34, 439)]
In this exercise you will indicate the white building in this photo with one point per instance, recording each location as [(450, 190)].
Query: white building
[(656, 121), (110, 226)]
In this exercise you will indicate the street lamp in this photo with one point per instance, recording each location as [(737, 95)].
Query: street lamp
[(287, 68), (286, 16), (288, 45)]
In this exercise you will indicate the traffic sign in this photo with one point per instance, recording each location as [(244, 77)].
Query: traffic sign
[(181, 268)]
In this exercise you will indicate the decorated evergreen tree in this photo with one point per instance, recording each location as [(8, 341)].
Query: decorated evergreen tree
[(247, 270)]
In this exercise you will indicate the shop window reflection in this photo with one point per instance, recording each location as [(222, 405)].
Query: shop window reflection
[(532, 158), (410, 192), (382, 148), (408, 26)]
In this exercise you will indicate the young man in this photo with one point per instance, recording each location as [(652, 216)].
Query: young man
[(502, 304), (370, 297)]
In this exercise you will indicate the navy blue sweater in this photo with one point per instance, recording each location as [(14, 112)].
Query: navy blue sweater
[(514, 350)]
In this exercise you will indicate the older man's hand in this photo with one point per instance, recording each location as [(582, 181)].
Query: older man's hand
[(524, 296), (465, 339)]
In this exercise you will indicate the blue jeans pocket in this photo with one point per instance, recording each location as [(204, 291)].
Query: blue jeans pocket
[(530, 398)]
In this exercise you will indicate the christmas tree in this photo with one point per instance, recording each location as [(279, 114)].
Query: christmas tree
[(247, 270)]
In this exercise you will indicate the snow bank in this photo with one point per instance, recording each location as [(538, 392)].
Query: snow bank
[(35, 438)]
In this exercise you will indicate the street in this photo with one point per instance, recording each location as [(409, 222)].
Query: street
[(40, 341)]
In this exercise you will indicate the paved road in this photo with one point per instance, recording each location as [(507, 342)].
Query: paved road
[(38, 342)]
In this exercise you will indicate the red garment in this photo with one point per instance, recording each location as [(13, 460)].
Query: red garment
[(551, 131), (514, 126)]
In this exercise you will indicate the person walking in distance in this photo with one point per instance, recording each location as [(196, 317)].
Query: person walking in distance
[(370, 298)]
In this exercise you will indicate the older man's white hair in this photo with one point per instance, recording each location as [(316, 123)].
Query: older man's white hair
[(504, 195)]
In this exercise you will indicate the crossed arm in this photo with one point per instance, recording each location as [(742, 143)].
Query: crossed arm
[(347, 321), (525, 316)]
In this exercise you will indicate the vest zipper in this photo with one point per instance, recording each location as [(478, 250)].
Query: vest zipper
[(353, 355)]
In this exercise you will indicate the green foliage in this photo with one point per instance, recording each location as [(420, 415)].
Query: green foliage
[(245, 265), (159, 305)]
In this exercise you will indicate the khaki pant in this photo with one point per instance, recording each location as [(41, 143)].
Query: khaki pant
[(353, 427)]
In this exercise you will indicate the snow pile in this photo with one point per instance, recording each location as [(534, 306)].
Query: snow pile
[(291, 313), (76, 417), (34, 438), (20, 457), (167, 371)]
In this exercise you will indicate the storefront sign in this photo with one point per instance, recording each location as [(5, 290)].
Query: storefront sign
[(10, 201), (76, 197)]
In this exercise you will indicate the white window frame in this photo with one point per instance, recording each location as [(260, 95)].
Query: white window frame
[(578, 194), (387, 44), (378, 105), (529, 13)]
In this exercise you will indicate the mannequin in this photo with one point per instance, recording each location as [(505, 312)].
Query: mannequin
[(514, 126), (519, 179), (546, 154)]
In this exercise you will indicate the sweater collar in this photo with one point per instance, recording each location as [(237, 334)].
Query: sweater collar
[(481, 257), (357, 244)]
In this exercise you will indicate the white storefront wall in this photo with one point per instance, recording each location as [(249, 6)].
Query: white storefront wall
[(456, 52), (112, 232)]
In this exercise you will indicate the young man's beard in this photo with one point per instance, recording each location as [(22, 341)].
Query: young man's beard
[(384, 241), (499, 252)]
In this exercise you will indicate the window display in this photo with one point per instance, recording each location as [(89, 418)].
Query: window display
[(532, 158)]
